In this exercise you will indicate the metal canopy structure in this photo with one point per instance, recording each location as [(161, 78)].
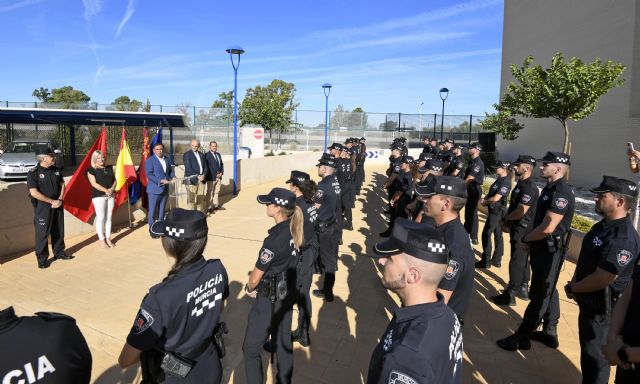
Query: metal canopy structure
[(73, 117), (88, 117)]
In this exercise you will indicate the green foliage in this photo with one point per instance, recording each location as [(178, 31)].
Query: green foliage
[(124, 103), (225, 101), (270, 153), (342, 117), (147, 106), (582, 223), (270, 107), (566, 90), (68, 97), (282, 153), (42, 94), (503, 124)]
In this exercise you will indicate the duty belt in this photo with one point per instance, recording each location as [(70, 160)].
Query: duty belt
[(325, 225)]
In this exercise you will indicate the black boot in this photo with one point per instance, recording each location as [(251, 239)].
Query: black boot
[(303, 336), (506, 298), (548, 336), (386, 233), (327, 291), (522, 292), (482, 264), (518, 340)]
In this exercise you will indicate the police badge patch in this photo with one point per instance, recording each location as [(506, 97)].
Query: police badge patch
[(396, 377), (319, 193), (143, 321), (525, 198), (560, 202), (452, 270), (623, 257), (476, 168), (503, 190), (266, 256)]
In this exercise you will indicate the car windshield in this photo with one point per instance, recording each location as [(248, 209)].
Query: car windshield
[(18, 147)]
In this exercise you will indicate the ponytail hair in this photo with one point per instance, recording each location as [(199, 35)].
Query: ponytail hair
[(308, 189), (296, 225), (185, 253)]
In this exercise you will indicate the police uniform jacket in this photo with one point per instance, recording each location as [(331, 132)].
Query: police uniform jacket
[(328, 199), (277, 256), (422, 344), (458, 277), (310, 215), (404, 184), (395, 170), (456, 164), (524, 193), (48, 181), (47, 348), (630, 330), (612, 246), (556, 197), (501, 187), (475, 168), (179, 315)]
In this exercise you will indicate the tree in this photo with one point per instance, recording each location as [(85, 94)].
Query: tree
[(42, 94), (225, 101), (389, 125), (270, 107), (503, 124), (147, 106), (123, 103), (187, 110), (566, 90), (68, 97)]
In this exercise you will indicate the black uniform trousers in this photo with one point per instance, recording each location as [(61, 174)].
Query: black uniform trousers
[(257, 333), (352, 192), (474, 191), (328, 252), (592, 332), (519, 269), (48, 221), (346, 202), (399, 210), (492, 227), (359, 176), (304, 274), (544, 303), (627, 376)]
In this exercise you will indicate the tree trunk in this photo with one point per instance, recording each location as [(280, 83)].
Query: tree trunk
[(565, 146), (270, 141)]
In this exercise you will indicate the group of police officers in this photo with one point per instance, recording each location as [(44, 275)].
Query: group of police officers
[(427, 259)]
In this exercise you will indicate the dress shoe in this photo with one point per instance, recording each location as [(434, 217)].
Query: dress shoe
[(386, 233), (505, 299), (220, 208), (348, 227), (482, 265), (497, 265), (63, 256), (522, 292), (327, 296), (388, 211), (514, 342), (154, 236), (475, 241), (301, 336), (547, 337), (43, 264), (267, 345)]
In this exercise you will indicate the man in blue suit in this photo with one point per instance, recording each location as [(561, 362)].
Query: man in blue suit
[(195, 170), (159, 173), (215, 168)]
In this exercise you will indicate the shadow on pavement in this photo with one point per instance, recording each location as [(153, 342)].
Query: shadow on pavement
[(116, 375)]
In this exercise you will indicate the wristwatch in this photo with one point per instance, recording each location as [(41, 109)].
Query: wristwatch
[(622, 354)]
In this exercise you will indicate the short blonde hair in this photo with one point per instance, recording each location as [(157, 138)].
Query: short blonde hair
[(94, 157)]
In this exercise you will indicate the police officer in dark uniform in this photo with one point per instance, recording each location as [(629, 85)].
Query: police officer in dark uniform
[(392, 173), (423, 342), (547, 243), (474, 177), (403, 193), (496, 203), (362, 157), (177, 319), (417, 207), (46, 188), (444, 198), (327, 202), (48, 348), (345, 177), (304, 188), (522, 208), (609, 251), (456, 166)]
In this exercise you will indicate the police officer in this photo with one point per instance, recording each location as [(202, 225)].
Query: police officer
[(444, 197), (522, 208), (272, 283), (609, 251), (417, 207), (424, 329), (403, 193), (362, 157), (547, 241), (456, 166), (347, 188), (392, 173), (327, 201), (46, 188), (178, 317), (474, 178), (48, 348), (496, 203), (304, 188)]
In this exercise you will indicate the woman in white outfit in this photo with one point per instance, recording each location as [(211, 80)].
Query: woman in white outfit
[(103, 184), (634, 166)]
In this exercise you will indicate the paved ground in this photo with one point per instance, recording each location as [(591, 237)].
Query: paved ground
[(103, 288)]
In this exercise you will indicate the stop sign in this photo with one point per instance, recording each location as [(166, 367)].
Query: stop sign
[(258, 133)]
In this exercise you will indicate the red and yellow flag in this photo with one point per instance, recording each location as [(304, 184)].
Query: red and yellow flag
[(124, 171)]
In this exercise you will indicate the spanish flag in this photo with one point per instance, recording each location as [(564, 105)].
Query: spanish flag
[(124, 172)]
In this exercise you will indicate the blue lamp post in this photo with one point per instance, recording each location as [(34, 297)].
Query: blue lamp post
[(326, 87), (237, 51), (444, 91)]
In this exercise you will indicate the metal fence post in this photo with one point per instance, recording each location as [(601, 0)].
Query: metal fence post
[(470, 127), (399, 120), (435, 123)]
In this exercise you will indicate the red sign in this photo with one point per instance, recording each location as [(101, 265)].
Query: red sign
[(258, 134)]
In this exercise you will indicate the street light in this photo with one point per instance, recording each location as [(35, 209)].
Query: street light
[(326, 87), (446, 94), (420, 114), (235, 50)]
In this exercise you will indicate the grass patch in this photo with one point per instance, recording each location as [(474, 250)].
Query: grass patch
[(282, 153), (581, 223), (270, 153)]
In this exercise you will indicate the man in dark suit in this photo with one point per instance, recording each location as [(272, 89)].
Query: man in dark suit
[(159, 173), (195, 170), (215, 170)]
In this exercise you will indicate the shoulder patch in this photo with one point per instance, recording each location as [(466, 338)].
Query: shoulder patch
[(319, 193), (525, 198), (560, 202), (476, 168), (54, 316), (266, 255), (623, 257), (396, 377), (452, 270), (504, 190), (143, 321)]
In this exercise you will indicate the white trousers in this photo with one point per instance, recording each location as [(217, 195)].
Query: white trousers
[(104, 210)]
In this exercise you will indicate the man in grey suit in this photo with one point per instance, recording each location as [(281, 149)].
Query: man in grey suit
[(195, 171), (215, 168)]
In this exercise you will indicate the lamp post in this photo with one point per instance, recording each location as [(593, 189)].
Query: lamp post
[(237, 51), (444, 91), (326, 87), (420, 114)]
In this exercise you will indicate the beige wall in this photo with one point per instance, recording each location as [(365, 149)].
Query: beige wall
[(17, 231), (586, 29)]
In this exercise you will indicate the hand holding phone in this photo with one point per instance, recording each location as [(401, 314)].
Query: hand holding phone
[(630, 148)]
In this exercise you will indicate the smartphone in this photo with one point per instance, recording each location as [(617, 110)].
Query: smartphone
[(630, 147)]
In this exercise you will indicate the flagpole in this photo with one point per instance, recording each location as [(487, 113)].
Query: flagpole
[(129, 205)]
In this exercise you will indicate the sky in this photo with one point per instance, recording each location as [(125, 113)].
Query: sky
[(381, 56)]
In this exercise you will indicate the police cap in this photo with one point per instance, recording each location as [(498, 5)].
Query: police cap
[(442, 185), (298, 177), (279, 196), (407, 159), (432, 165), (556, 157), (328, 161), (419, 240), (617, 185), (337, 146), (525, 159), (502, 164), (476, 146), (181, 224)]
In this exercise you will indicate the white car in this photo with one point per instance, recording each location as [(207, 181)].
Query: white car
[(20, 156)]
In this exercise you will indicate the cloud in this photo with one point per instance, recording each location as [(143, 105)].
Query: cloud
[(91, 8), (131, 8), (20, 4)]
